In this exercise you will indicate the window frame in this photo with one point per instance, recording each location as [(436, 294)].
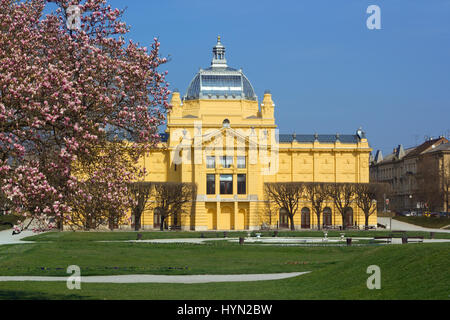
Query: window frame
[(211, 184), (208, 163), (238, 164), (226, 187), (225, 163), (239, 184)]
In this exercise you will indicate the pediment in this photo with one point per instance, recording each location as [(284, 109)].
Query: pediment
[(222, 134)]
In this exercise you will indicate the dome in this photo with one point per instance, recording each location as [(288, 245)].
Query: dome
[(220, 81)]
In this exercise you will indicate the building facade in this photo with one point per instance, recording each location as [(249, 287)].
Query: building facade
[(219, 137), (403, 171)]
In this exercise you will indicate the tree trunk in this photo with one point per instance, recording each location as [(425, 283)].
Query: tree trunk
[(344, 222), (137, 221), (161, 227), (367, 221), (291, 219), (111, 224), (318, 221), (60, 223)]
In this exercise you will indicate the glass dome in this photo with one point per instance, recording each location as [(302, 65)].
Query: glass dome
[(220, 81)]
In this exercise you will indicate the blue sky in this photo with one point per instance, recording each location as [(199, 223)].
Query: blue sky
[(327, 72)]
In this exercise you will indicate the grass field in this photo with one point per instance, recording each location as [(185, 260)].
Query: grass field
[(413, 271), (120, 236), (426, 222)]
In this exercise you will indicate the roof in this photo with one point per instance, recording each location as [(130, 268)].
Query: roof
[(288, 138), (220, 81), (324, 138), (442, 147), (427, 146)]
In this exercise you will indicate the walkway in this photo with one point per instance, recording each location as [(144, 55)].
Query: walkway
[(6, 237), (403, 226), (164, 279)]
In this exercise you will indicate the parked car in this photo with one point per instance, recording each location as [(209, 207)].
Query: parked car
[(406, 214)]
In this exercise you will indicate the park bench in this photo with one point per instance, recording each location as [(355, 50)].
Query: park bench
[(174, 227), (418, 239), (387, 239)]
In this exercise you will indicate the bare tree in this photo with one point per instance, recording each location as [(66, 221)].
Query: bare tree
[(141, 192), (173, 198), (286, 195), (342, 195), (317, 193), (269, 213), (366, 197)]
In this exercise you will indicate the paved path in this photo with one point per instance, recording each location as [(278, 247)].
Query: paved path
[(177, 240), (403, 226), (163, 279), (6, 237)]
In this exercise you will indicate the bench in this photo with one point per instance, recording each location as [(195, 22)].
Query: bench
[(174, 227), (387, 239), (418, 238)]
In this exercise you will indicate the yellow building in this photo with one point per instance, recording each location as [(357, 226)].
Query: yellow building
[(220, 138)]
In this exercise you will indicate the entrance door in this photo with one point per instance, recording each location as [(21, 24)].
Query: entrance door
[(306, 218)]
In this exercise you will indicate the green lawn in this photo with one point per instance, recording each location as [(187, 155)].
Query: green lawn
[(426, 222), (413, 271), (116, 236)]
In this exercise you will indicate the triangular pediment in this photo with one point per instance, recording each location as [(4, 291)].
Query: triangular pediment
[(248, 138)]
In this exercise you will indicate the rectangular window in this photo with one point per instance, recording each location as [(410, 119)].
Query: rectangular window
[(226, 162), (210, 162), (241, 162), (210, 184), (226, 184), (242, 183)]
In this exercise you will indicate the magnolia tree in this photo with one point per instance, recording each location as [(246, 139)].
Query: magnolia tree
[(65, 92), (104, 183)]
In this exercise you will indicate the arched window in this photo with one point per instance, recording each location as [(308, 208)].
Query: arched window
[(306, 218), (348, 217), (327, 221), (226, 123)]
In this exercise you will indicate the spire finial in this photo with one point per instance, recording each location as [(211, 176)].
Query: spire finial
[(219, 55)]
